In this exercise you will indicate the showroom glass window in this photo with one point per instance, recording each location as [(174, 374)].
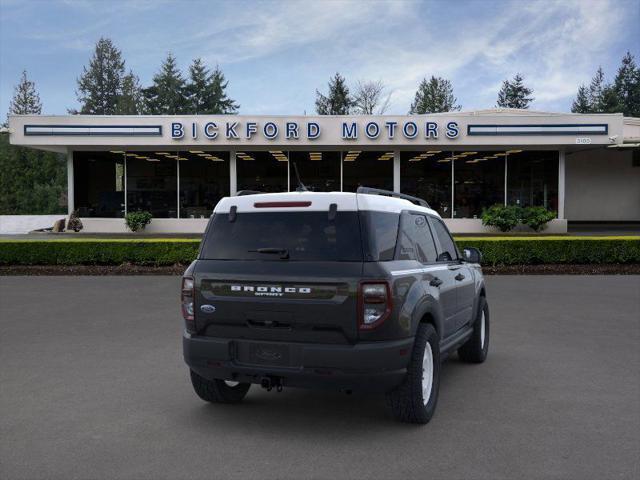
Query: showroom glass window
[(478, 182), (99, 184), (532, 179), (370, 169), (262, 171), (319, 171), (152, 183), (204, 180), (427, 174)]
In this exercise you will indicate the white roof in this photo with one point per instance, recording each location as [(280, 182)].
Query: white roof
[(317, 201)]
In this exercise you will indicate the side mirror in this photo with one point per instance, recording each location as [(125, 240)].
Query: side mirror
[(444, 257), (472, 255)]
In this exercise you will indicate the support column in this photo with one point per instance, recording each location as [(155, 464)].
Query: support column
[(396, 171), (289, 174), (453, 184), (177, 188), (506, 170), (233, 176), (561, 182), (70, 184), (125, 186), (341, 171)]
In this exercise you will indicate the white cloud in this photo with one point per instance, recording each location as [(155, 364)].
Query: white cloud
[(556, 45)]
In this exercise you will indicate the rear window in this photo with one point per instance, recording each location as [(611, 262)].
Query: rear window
[(305, 236), (381, 231)]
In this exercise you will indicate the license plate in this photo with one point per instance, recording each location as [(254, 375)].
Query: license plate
[(269, 354)]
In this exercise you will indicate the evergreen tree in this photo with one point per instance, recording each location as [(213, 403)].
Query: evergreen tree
[(218, 100), (581, 104), (206, 91), (31, 181), (196, 89), (596, 91), (130, 101), (627, 86), (621, 96), (338, 101), (167, 95), (433, 96), (514, 94), (25, 99), (100, 85), (610, 101)]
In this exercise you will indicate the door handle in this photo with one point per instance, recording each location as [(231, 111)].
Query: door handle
[(459, 277), (436, 282)]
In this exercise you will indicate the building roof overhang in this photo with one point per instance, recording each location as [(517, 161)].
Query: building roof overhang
[(478, 128)]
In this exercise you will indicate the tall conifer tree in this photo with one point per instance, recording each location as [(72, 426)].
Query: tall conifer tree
[(25, 99), (338, 101), (627, 86), (581, 104), (433, 96), (206, 92), (130, 100), (31, 181), (167, 94), (514, 93), (100, 85)]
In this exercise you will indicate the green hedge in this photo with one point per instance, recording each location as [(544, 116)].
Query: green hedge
[(496, 251), (98, 252), (569, 250)]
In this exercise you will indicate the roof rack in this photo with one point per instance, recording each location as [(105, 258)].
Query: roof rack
[(389, 193), (242, 193)]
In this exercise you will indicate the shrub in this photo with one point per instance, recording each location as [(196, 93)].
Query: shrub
[(565, 250), (75, 223), (495, 250), (75, 251), (504, 218), (537, 217), (137, 220)]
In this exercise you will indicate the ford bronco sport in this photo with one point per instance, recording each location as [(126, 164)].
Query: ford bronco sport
[(351, 291)]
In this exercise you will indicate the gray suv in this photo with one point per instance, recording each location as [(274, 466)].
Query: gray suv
[(350, 291)]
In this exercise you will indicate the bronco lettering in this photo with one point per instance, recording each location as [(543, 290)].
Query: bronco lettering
[(275, 290)]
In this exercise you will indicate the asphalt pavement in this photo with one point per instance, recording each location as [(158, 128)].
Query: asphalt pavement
[(93, 386)]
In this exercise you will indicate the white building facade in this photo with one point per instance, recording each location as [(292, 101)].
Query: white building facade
[(583, 167)]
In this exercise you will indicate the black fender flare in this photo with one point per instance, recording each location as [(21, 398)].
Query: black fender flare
[(480, 292), (428, 306)]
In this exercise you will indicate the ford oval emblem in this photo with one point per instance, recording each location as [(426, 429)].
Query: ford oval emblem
[(207, 308)]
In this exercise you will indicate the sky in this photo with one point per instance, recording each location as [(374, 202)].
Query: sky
[(275, 54)]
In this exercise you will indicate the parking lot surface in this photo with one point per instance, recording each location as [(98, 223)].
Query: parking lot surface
[(92, 385)]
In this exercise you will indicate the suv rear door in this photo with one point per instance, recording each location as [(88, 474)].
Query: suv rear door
[(289, 276), (459, 274), (416, 242)]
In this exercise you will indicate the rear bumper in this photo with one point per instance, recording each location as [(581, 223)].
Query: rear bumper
[(371, 366)]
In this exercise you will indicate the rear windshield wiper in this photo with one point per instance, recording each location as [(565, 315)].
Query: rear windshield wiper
[(283, 252)]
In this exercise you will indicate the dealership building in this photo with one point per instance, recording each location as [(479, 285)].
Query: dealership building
[(586, 168)]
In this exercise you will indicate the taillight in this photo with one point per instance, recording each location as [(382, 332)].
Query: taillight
[(374, 302), (186, 298)]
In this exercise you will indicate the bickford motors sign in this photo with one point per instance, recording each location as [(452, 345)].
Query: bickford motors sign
[(294, 130), (233, 131)]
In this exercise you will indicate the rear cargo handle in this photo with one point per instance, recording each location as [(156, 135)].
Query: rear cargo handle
[(268, 324)]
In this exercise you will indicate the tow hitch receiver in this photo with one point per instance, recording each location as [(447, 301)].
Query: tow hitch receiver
[(268, 383)]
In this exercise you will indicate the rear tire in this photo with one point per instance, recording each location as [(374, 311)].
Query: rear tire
[(415, 400), (218, 391), (475, 350)]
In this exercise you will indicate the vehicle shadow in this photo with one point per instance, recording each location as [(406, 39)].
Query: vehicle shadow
[(293, 411)]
